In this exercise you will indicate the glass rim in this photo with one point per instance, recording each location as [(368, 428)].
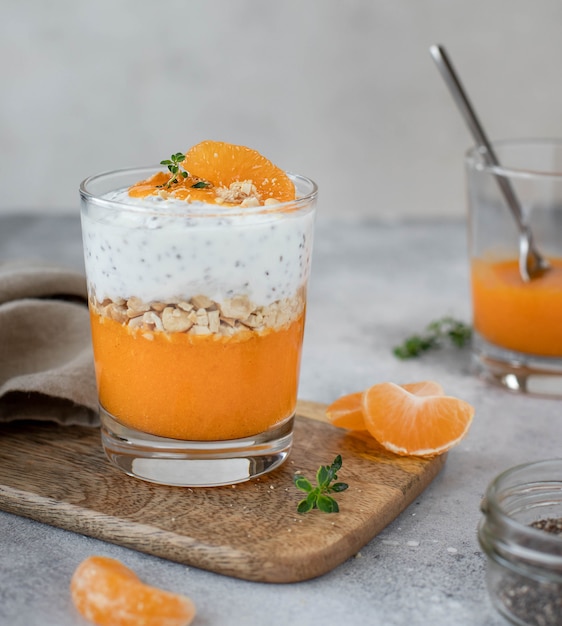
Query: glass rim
[(499, 484), (472, 154), (194, 209)]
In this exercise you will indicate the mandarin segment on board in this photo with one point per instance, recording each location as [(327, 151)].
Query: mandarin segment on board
[(347, 411), (413, 423), (108, 593)]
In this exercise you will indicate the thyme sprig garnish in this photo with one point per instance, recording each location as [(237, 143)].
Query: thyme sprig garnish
[(316, 496), (446, 328), (177, 171), (174, 164)]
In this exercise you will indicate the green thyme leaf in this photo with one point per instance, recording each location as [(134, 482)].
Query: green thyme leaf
[(323, 477), (303, 484), (337, 487), (326, 504), (306, 505), (317, 497), (336, 465), (174, 163), (436, 333), (202, 184)]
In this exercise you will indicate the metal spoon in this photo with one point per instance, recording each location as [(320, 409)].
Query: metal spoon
[(531, 262)]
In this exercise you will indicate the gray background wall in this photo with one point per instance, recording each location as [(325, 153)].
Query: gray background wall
[(343, 91)]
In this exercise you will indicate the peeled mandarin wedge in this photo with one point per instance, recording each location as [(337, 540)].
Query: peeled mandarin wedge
[(223, 163), (414, 423), (424, 388), (109, 594), (347, 411)]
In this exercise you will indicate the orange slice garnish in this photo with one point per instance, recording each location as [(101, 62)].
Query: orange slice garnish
[(223, 164), (222, 173)]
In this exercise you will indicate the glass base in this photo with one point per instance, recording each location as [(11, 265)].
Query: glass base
[(181, 463), (515, 371)]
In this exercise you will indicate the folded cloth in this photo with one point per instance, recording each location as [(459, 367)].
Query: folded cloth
[(46, 363)]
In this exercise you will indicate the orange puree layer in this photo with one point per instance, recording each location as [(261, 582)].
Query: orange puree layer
[(197, 387), (525, 317)]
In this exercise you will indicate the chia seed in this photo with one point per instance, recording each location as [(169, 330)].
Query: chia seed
[(534, 602), (550, 525)]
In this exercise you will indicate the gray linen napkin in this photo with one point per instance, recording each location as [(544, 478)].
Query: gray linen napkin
[(46, 363)]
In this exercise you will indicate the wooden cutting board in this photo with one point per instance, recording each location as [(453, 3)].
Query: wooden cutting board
[(59, 476)]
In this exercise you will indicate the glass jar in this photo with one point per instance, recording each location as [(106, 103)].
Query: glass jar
[(524, 574)]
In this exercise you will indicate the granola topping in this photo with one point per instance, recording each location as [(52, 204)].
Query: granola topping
[(200, 315)]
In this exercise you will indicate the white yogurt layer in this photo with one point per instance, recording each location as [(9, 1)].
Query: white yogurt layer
[(265, 256)]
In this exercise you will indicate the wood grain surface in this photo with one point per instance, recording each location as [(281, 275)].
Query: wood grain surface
[(60, 476)]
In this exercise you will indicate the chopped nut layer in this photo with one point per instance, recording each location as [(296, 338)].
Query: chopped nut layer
[(244, 192), (200, 315)]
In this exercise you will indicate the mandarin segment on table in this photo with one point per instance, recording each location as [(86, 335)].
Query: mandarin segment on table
[(108, 593)]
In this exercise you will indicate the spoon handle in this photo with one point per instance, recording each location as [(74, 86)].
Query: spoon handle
[(460, 97)]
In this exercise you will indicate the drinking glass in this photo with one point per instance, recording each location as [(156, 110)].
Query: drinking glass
[(517, 325), (197, 318)]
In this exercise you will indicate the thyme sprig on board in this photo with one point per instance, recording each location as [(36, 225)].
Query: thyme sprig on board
[(317, 497)]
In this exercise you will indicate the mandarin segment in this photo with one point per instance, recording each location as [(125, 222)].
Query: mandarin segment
[(109, 594), (424, 388), (347, 411), (223, 164), (415, 424), (150, 185)]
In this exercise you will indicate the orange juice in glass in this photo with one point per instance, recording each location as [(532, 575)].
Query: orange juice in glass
[(517, 324), (197, 276)]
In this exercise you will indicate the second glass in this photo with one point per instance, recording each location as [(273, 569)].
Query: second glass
[(197, 326), (517, 325)]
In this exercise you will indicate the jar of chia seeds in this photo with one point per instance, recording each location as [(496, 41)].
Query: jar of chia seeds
[(521, 534)]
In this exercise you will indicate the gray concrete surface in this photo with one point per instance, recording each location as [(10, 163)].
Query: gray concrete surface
[(372, 284)]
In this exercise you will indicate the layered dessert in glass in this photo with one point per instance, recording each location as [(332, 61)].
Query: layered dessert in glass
[(197, 276)]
